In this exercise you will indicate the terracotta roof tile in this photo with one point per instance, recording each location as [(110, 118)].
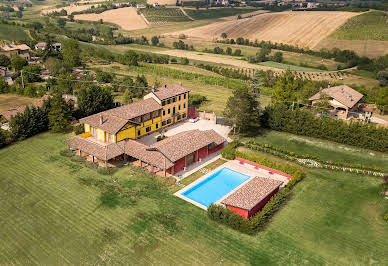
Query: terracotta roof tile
[(168, 91), (344, 94), (114, 119), (251, 193), (184, 143), (102, 152), (20, 109)]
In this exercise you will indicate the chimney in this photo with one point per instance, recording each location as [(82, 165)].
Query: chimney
[(101, 120), (153, 89), (165, 86)]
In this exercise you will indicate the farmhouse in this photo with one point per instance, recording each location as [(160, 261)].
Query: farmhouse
[(110, 136), (342, 98), (252, 196), (11, 50)]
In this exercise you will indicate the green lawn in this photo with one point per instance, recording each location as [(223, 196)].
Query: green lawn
[(217, 13), (53, 215), (290, 67), (325, 150), (367, 26), (12, 32)]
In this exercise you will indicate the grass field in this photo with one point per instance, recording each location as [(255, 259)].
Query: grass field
[(12, 32), (325, 150), (52, 214), (288, 66), (217, 13), (367, 26), (8, 101)]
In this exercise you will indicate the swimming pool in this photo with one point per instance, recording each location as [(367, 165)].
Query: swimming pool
[(215, 186)]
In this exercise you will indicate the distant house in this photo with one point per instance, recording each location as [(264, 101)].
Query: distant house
[(40, 46), (20, 109), (342, 98), (155, 4), (140, 6), (21, 50)]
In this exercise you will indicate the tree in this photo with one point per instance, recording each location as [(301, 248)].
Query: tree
[(31, 73), (71, 17), (4, 60), (19, 14), (285, 88), (104, 77), (130, 58), (244, 109), (18, 62), (322, 105), (93, 99), (184, 61), (60, 114), (382, 76), (237, 52), (71, 53), (4, 87), (224, 35), (155, 40), (277, 57), (382, 99), (228, 51), (61, 22), (127, 97)]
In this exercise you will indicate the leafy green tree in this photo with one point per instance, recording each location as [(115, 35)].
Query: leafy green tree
[(4, 138), (31, 73), (30, 91), (228, 51), (4, 87), (382, 99), (285, 88), (224, 35), (127, 97), (237, 52), (184, 61), (93, 99), (19, 14), (130, 58), (4, 60), (71, 53), (126, 83), (322, 105), (71, 17), (244, 110), (141, 85), (18, 62), (155, 40), (60, 114), (382, 76), (104, 77), (277, 57), (61, 22)]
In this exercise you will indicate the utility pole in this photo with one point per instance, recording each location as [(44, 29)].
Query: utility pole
[(21, 74)]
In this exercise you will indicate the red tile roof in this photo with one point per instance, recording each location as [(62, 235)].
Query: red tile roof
[(114, 119), (251, 193), (184, 143), (344, 94), (168, 91), (174, 147), (20, 109)]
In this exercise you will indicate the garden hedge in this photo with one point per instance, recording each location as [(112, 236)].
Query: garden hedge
[(302, 122)]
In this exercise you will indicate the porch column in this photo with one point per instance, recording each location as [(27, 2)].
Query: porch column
[(92, 158), (141, 163), (196, 156), (185, 161)]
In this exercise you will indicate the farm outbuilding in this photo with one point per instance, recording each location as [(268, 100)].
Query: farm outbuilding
[(252, 196)]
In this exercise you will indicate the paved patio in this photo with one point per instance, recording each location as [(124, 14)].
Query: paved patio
[(201, 124)]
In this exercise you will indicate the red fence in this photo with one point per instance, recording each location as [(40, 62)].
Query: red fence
[(262, 167)]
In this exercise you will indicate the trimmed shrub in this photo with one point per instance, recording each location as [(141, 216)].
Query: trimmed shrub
[(229, 152), (79, 129)]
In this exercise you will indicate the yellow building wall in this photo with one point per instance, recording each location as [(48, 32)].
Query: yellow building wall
[(87, 127), (170, 106), (100, 134), (131, 132)]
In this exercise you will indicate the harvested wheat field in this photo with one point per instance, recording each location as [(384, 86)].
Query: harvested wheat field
[(127, 18), (69, 9), (304, 29), (162, 2)]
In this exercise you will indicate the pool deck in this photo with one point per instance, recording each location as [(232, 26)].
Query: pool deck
[(236, 166)]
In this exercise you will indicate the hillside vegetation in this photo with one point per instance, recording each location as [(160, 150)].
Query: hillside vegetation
[(367, 26), (217, 13), (12, 32)]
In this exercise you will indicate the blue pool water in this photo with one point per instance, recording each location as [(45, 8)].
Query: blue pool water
[(215, 186)]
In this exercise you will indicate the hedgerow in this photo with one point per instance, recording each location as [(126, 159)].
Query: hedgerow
[(302, 122)]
